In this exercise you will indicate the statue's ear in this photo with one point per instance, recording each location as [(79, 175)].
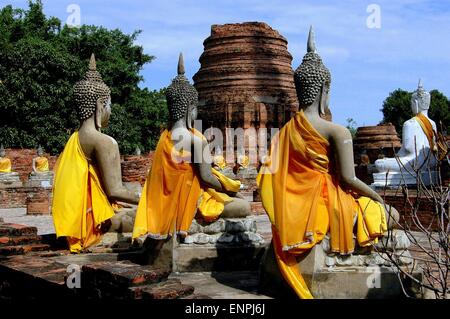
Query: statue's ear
[(323, 100), (98, 113), (189, 118)]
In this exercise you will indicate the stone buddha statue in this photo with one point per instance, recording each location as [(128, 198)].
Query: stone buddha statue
[(8, 178), (5, 163), (182, 182), (309, 188), (88, 178), (417, 154), (40, 163), (40, 176)]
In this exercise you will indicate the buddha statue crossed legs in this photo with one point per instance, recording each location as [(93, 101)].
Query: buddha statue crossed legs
[(418, 151), (88, 176), (309, 188), (181, 181)]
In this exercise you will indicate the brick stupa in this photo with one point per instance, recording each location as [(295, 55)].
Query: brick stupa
[(246, 78)]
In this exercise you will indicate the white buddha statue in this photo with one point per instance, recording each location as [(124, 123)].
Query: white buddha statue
[(417, 153)]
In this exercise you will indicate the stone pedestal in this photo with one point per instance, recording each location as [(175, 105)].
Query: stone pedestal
[(395, 179), (8, 180), (332, 276), (40, 180), (225, 245)]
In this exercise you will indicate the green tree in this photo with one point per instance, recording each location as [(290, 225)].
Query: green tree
[(352, 126), (40, 61), (397, 109)]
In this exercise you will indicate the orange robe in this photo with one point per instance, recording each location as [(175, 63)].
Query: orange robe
[(172, 193), (304, 201), (427, 128), (79, 204), (5, 165)]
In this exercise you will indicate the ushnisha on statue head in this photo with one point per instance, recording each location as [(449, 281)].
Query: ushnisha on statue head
[(312, 77), (93, 97), (182, 98), (420, 100)]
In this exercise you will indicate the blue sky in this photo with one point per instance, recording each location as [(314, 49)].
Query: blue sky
[(366, 63)]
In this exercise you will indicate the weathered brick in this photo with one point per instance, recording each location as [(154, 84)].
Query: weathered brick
[(19, 240), (122, 274), (22, 249), (170, 289), (7, 229)]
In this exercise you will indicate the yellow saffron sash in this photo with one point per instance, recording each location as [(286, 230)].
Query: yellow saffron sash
[(42, 164), (5, 165), (304, 201), (427, 128), (79, 205), (172, 191)]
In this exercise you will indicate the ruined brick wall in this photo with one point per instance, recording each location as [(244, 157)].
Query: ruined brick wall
[(38, 199), (400, 202), (135, 168), (376, 140)]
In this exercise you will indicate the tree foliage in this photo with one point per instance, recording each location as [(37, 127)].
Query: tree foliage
[(40, 61), (397, 109)]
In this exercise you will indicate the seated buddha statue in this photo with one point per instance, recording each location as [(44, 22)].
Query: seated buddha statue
[(418, 150), (40, 163), (5, 163), (88, 178), (309, 188), (182, 183)]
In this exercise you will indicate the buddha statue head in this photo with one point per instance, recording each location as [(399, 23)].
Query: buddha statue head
[(182, 98), (2, 151), (312, 78), (93, 97), (420, 100), (40, 151)]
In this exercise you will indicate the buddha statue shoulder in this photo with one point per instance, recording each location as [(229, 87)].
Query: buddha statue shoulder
[(88, 178), (182, 183), (5, 162), (311, 162), (418, 138)]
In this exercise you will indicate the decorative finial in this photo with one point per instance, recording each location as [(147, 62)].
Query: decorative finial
[(181, 70), (420, 86), (311, 41), (92, 63)]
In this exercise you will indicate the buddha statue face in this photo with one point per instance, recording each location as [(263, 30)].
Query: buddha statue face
[(420, 100), (2, 152), (40, 152)]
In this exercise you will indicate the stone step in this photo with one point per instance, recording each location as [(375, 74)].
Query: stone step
[(22, 249), (19, 240), (7, 229), (120, 275), (170, 289)]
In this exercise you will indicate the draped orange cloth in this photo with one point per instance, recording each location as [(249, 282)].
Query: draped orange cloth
[(304, 201), (80, 205), (172, 193), (41, 164), (427, 128), (5, 165)]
